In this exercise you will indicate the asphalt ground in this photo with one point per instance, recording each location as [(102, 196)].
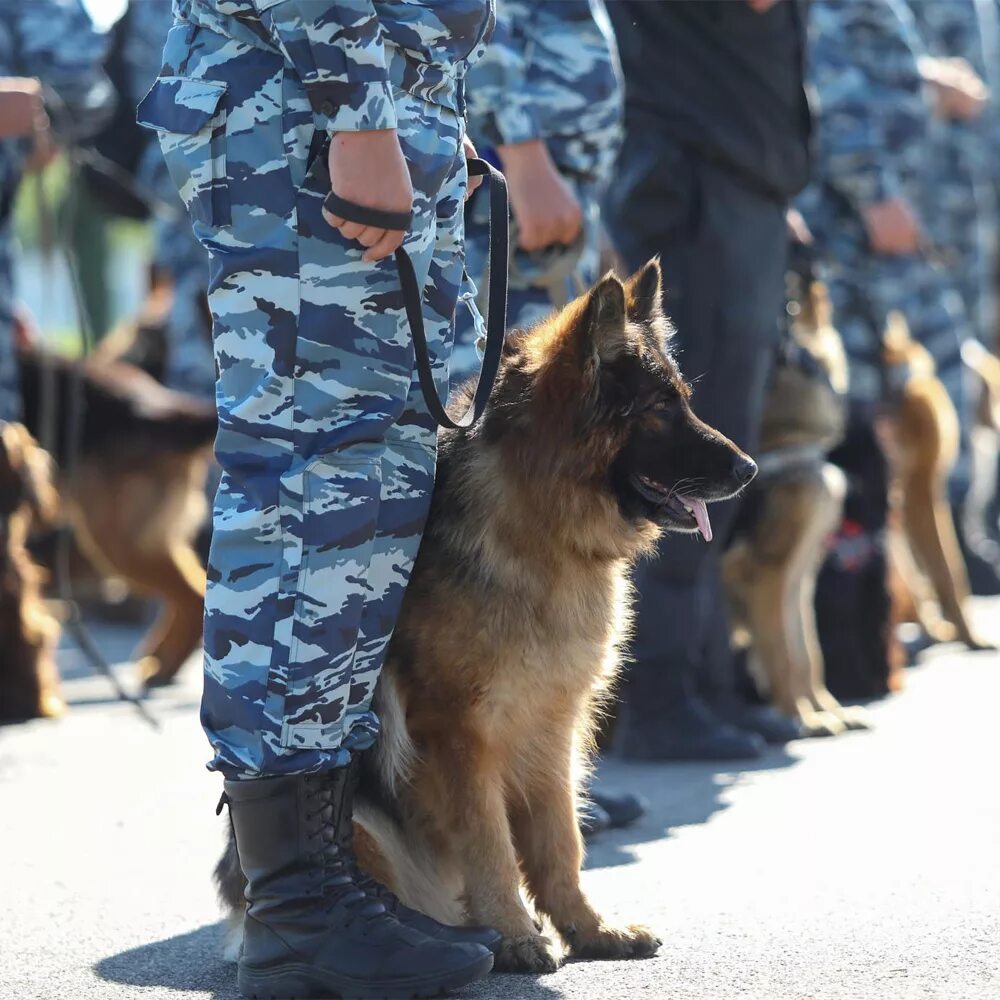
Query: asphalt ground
[(862, 867)]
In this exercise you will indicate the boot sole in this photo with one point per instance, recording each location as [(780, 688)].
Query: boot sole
[(295, 981)]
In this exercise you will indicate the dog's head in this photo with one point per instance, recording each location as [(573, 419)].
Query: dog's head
[(903, 356), (594, 396), (805, 399)]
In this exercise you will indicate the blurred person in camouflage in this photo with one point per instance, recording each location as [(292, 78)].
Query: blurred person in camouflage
[(50, 42), (176, 253), (325, 442), (959, 210), (545, 105), (872, 122), (876, 89)]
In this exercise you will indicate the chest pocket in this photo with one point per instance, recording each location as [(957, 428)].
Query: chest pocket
[(190, 118)]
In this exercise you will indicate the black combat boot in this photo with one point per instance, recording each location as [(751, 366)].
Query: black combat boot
[(485, 936), (311, 930)]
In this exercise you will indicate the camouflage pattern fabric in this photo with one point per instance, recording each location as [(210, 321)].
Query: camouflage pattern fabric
[(959, 208), (326, 447), (871, 133), (55, 41), (190, 365), (551, 72)]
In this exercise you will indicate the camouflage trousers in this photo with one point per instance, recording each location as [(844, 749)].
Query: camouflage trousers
[(538, 281), (10, 391), (326, 448), (864, 287)]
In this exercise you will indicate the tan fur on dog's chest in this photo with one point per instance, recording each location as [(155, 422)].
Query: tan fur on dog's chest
[(510, 668)]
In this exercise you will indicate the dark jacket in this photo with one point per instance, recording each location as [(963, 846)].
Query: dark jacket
[(717, 78)]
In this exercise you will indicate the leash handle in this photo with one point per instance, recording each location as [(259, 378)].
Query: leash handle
[(496, 314), (364, 216)]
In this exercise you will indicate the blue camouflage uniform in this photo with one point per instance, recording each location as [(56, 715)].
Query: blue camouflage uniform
[(872, 121), (959, 208), (326, 447), (551, 72), (55, 41), (176, 251)]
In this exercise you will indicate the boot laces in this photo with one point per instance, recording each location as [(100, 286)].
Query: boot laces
[(336, 872)]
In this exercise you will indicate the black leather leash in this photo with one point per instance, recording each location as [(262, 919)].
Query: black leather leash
[(496, 318)]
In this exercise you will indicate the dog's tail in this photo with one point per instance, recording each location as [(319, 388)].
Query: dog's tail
[(391, 849), (231, 885)]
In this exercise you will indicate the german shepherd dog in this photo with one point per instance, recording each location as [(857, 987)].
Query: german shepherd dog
[(29, 678), (922, 438), (509, 637), (136, 498), (771, 570)]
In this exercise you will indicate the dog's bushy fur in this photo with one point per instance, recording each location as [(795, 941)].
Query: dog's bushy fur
[(29, 679), (508, 640)]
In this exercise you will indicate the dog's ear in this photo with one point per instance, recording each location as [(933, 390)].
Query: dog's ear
[(896, 337), (644, 293), (603, 326)]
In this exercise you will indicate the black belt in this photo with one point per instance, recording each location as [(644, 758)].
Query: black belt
[(496, 319)]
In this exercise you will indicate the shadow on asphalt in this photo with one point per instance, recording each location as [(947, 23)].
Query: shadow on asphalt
[(677, 794), (188, 962)]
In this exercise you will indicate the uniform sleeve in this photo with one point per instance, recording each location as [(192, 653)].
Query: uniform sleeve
[(337, 50), (851, 42), (142, 49), (499, 100), (57, 42)]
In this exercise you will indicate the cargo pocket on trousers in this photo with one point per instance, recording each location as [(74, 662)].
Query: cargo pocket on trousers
[(190, 118), (329, 512)]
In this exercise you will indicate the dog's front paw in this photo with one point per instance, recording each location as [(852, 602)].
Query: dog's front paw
[(526, 953), (820, 724), (152, 673), (634, 941), (979, 645), (854, 717)]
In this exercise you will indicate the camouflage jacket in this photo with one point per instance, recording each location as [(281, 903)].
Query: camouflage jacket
[(959, 28), (969, 29), (869, 102), (339, 49), (551, 72), (55, 41)]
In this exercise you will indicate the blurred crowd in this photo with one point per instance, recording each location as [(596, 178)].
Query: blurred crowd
[(709, 132)]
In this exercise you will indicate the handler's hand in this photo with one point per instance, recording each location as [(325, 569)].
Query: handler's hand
[(958, 92), (798, 228), (545, 208), (470, 154), (22, 110), (368, 168), (892, 227)]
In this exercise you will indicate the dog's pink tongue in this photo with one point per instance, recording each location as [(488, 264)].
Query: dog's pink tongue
[(700, 513)]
